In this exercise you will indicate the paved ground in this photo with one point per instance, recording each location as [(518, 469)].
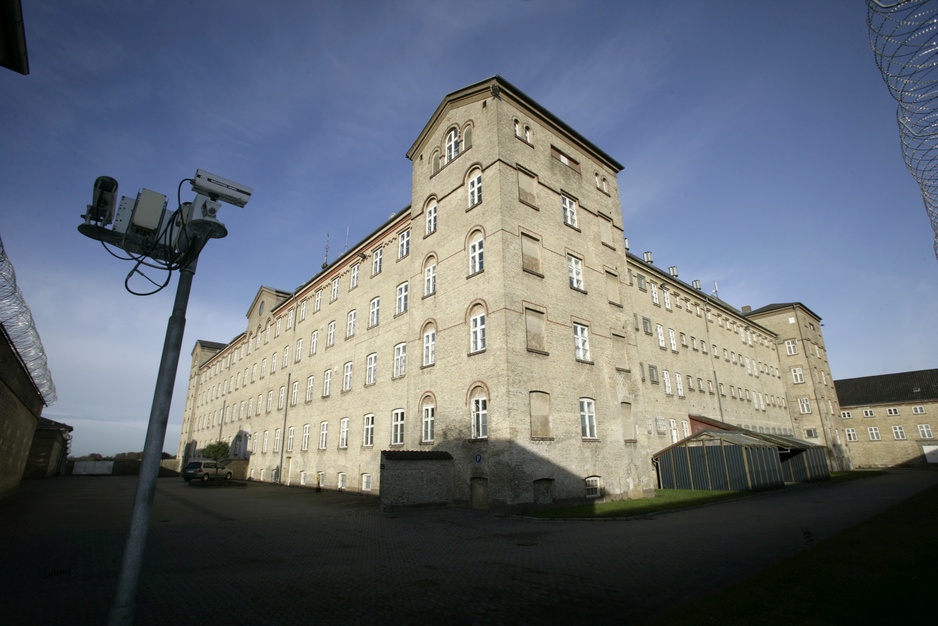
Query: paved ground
[(278, 555)]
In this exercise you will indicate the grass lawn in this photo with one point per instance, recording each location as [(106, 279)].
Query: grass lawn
[(881, 571)]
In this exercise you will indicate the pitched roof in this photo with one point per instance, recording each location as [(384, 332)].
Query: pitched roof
[(918, 386), (782, 305)]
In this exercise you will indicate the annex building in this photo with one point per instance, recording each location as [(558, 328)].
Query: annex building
[(888, 419), (499, 332)]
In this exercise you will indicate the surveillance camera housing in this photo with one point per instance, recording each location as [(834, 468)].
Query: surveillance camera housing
[(104, 199), (218, 188)]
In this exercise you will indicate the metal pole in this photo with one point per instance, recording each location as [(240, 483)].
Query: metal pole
[(122, 612)]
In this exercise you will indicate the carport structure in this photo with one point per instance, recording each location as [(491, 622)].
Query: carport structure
[(722, 457)]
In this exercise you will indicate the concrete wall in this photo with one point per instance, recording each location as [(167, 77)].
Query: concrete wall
[(20, 408)]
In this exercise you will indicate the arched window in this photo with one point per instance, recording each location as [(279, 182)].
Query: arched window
[(429, 344), (474, 183), (479, 413), (452, 144), (429, 276), (476, 257), (477, 328), (431, 212), (428, 418)]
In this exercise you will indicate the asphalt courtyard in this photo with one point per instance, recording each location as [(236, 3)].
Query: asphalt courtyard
[(280, 555)]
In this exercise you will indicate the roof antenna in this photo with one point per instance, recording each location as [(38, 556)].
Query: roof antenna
[(325, 261)]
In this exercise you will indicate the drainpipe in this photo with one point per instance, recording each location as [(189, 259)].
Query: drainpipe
[(283, 431)]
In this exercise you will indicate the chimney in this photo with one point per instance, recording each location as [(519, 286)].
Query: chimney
[(696, 285), (747, 309), (626, 240), (673, 271), (648, 257)]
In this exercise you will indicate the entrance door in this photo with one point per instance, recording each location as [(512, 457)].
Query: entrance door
[(479, 494)]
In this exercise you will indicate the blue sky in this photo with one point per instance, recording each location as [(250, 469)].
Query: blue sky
[(759, 143)]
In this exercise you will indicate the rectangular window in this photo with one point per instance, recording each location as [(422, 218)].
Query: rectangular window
[(314, 342), (575, 272), (654, 293), (845, 415), (401, 300), (286, 356), (353, 276), (343, 433), (350, 324), (290, 433), (330, 334), (266, 439), (791, 346), (480, 418), (306, 437), (431, 219), (299, 351), (527, 187), (397, 427), (535, 330), (804, 405), (429, 280), (340, 482), (659, 329), (892, 411), (475, 188), (531, 254), (868, 413), (592, 487), (294, 392), (366, 482), (679, 384), (368, 432), (323, 435), (851, 434), (918, 410), (646, 325), (874, 433), (429, 416), (810, 433), (317, 303), (797, 375), (613, 296), (924, 431), (403, 244), (653, 374), (476, 254), (898, 432), (672, 339), (569, 210), (283, 397), (326, 383), (302, 317), (376, 261), (400, 360), (371, 366), (581, 342), (587, 418), (335, 290)]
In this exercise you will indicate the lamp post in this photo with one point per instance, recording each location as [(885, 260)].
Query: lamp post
[(144, 228)]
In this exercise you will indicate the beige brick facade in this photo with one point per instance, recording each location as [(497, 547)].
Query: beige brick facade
[(521, 349)]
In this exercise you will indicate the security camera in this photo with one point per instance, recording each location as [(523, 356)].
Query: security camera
[(218, 188), (101, 209)]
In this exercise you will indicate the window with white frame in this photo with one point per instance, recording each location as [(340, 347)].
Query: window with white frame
[(283, 397), (397, 427), (809, 433), (340, 481), (330, 334), (323, 434), (479, 414), (898, 432), (270, 400), (593, 487), (653, 288), (587, 418), (685, 428), (273, 363), (924, 431), (286, 356), (851, 434), (343, 432), (347, 377), (797, 375), (317, 303), (666, 380), (845, 415), (672, 339), (294, 391), (667, 298), (476, 253), (326, 383), (575, 272), (335, 290), (869, 413), (581, 342), (475, 187), (366, 482), (400, 360), (374, 312), (403, 244), (305, 436), (452, 144), (804, 405), (679, 384), (892, 411), (429, 346), (371, 366), (353, 276), (266, 439), (368, 431), (659, 330), (791, 346), (874, 433), (918, 410), (350, 324), (313, 342), (431, 219), (477, 329), (569, 210), (429, 417), (290, 434), (309, 388), (376, 257), (400, 301), (302, 317), (429, 277)]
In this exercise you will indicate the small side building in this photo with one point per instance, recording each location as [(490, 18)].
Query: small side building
[(888, 420)]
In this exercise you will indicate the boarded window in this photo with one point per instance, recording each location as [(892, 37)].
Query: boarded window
[(527, 187), (531, 254), (612, 288), (540, 414), (536, 331), (605, 231)]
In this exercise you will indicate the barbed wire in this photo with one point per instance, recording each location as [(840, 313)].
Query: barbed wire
[(904, 39)]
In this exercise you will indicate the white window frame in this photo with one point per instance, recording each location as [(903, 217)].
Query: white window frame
[(428, 422), (403, 244), (797, 375), (475, 188), (581, 342), (347, 376), (873, 432), (401, 298), (851, 434), (305, 437), (323, 434), (925, 432), (353, 276), (334, 295), (368, 430), (429, 280), (343, 432), (431, 219), (477, 332), (374, 312), (313, 342), (804, 405), (400, 360), (371, 367), (451, 145), (429, 346), (376, 261), (476, 254), (568, 205), (479, 412), (330, 334), (397, 427), (291, 432), (350, 323), (898, 432), (575, 272), (326, 383), (587, 418), (791, 346)]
